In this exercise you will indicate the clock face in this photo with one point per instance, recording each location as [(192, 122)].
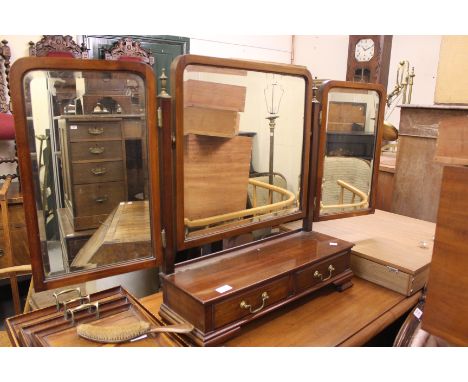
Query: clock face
[(364, 50)]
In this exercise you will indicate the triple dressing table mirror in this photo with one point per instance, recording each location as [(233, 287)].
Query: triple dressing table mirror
[(349, 148), (83, 130), (241, 149)]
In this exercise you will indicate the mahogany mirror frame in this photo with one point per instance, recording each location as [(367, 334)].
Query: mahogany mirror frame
[(177, 74), (320, 129), (19, 70)]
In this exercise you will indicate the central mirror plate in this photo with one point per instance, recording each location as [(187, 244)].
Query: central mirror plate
[(243, 144)]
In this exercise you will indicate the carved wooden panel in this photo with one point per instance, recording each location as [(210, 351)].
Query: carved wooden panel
[(127, 47), (5, 54), (57, 45)]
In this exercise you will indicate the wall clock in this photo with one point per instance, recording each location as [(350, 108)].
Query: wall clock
[(369, 58)]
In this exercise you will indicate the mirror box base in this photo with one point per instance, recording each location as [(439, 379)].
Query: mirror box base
[(219, 295)]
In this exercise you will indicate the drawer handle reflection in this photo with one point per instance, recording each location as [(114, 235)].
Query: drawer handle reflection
[(101, 199), (99, 170), (95, 130), (244, 305), (96, 150), (318, 275)]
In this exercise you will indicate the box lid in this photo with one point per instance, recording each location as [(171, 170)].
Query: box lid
[(389, 239)]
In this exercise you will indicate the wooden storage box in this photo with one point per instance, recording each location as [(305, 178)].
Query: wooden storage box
[(216, 175), (391, 250), (212, 122), (214, 95), (220, 294)]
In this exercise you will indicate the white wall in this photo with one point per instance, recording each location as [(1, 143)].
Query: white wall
[(326, 57), (422, 52), (263, 48)]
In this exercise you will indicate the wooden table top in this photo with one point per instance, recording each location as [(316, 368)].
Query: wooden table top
[(324, 318)]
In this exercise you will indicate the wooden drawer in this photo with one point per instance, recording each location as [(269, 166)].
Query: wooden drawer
[(97, 199), (79, 131), (316, 274), (92, 151), (84, 173), (390, 277), (231, 310)]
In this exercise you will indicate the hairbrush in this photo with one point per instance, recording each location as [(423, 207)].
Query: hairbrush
[(123, 333)]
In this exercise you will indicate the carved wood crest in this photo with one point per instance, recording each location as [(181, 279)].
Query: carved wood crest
[(5, 54), (127, 47), (57, 44)]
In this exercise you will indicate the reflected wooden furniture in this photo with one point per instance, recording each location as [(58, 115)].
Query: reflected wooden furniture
[(70, 240), (325, 318), (417, 176), (128, 49), (124, 235), (94, 160), (446, 308)]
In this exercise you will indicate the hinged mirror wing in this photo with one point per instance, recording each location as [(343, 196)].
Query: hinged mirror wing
[(350, 126), (88, 150), (242, 147)]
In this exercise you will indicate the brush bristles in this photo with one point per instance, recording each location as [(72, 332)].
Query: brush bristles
[(113, 334)]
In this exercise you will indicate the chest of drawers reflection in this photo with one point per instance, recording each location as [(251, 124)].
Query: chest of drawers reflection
[(101, 161)]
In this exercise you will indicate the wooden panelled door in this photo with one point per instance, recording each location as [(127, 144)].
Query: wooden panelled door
[(163, 48)]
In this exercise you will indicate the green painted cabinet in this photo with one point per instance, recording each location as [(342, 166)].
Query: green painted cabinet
[(163, 48)]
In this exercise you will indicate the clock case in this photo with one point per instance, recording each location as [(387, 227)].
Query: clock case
[(376, 69), (222, 292)]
